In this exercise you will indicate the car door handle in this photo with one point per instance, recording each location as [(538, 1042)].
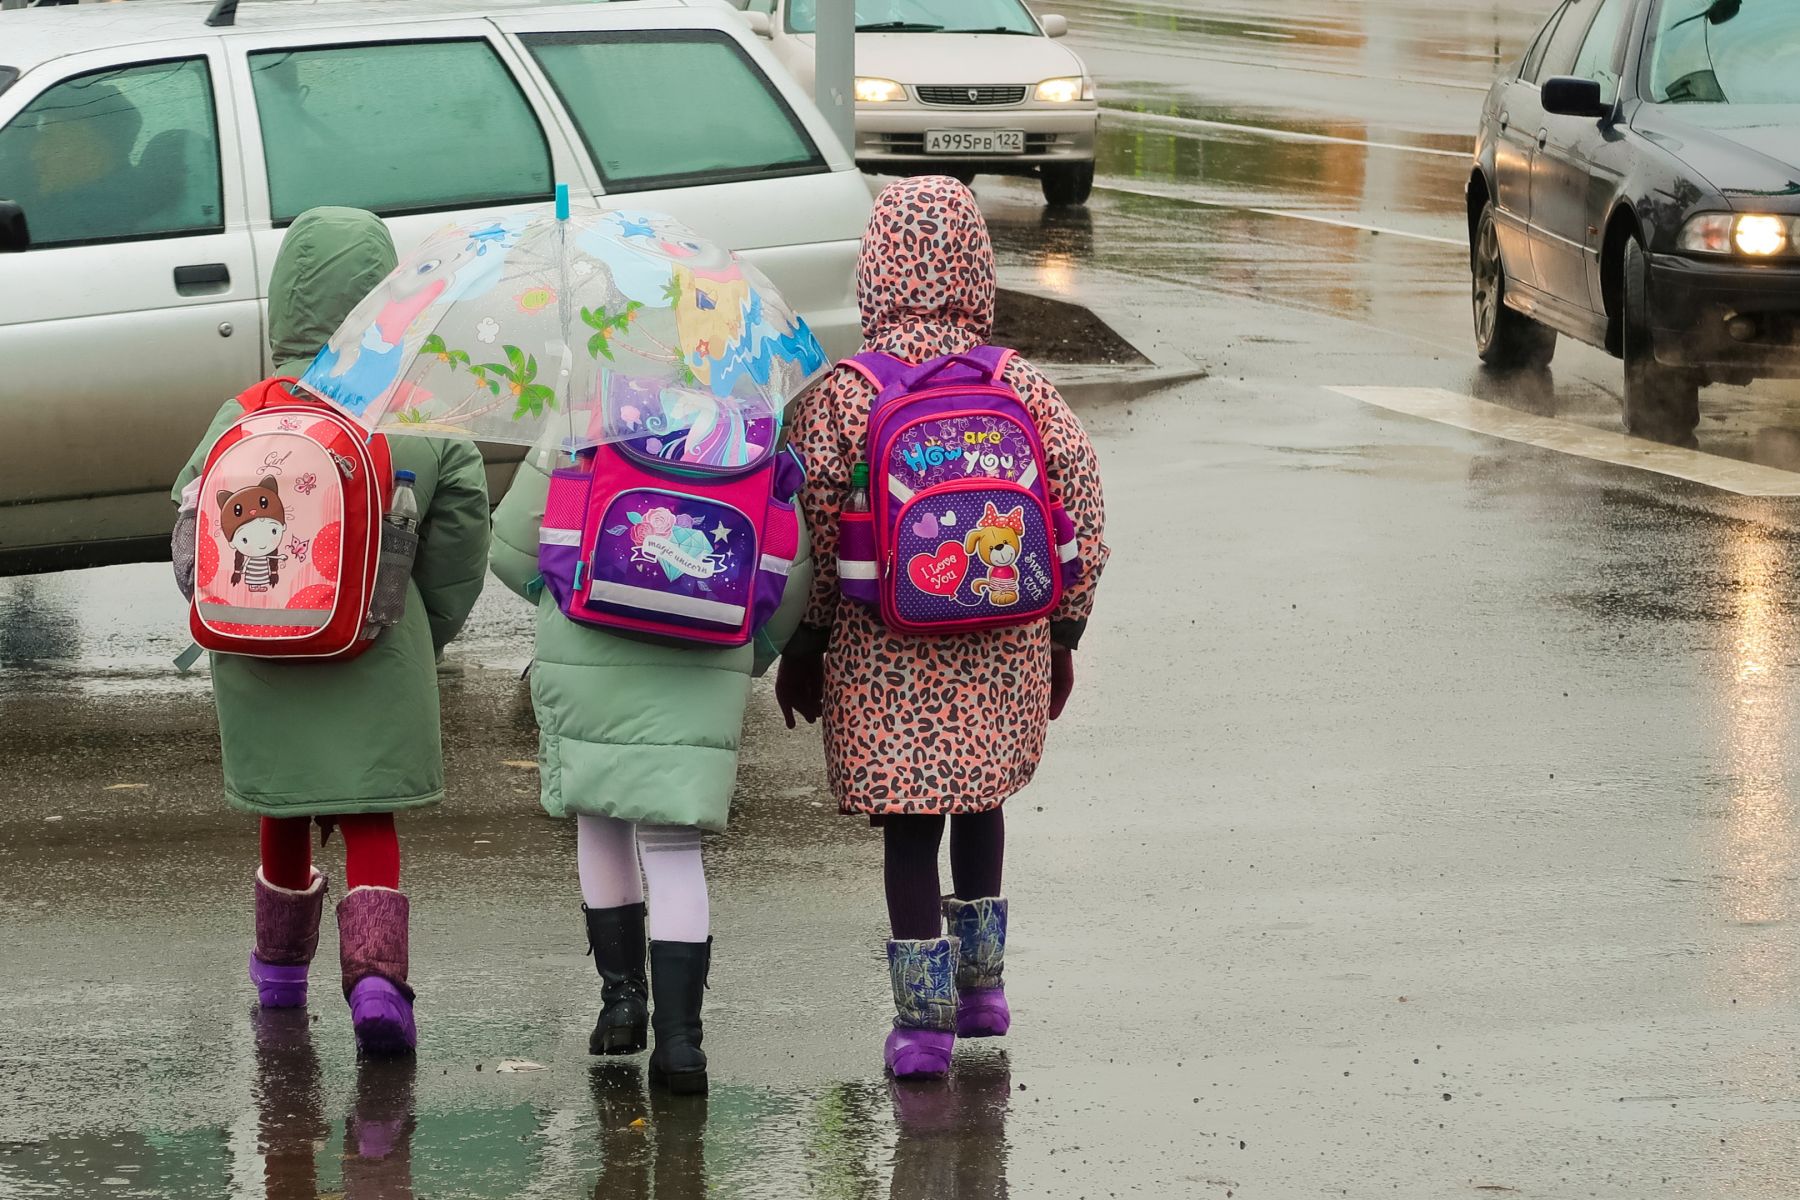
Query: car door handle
[(1543, 138), (1505, 120), (202, 279)]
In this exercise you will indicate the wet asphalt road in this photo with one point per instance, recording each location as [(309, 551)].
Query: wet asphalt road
[(1424, 824)]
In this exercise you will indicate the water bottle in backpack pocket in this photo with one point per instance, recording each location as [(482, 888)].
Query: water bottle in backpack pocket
[(645, 537), (962, 532)]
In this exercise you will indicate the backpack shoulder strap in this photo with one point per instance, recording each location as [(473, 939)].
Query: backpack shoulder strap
[(995, 358), (259, 396), (881, 370)]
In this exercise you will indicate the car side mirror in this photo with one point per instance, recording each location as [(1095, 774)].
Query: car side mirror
[(760, 24), (1054, 26), (1570, 96), (15, 235)]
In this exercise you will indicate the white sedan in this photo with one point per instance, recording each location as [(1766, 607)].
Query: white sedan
[(956, 87)]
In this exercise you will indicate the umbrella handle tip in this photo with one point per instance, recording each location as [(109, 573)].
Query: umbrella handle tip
[(562, 201)]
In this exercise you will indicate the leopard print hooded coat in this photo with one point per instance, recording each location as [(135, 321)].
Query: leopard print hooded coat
[(934, 724)]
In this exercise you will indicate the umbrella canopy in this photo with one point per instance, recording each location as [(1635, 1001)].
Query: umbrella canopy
[(588, 328)]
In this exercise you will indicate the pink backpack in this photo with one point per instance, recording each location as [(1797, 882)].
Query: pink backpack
[(284, 552), (963, 532), (687, 536)]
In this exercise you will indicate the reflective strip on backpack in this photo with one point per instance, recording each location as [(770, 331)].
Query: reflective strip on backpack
[(1030, 477), (649, 600), (898, 490), (286, 618), (853, 569), (775, 564), (559, 537)]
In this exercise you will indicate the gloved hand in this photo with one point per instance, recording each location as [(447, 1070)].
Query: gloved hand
[(1062, 679), (800, 686)]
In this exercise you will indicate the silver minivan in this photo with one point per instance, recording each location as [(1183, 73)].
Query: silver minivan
[(157, 161)]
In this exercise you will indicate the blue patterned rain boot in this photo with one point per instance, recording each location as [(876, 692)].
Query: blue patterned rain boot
[(924, 1033), (980, 925)]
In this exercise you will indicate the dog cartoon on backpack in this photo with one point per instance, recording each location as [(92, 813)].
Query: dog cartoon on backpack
[(996, 541), (254, 522)]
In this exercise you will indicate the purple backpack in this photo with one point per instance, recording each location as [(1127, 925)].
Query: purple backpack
[(687, 536), (962, 532)]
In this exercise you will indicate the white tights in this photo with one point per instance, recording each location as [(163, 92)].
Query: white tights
[(608, 853)]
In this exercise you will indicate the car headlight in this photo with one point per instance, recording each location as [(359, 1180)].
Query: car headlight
[(878, 91), (1065, 91), (1754, 235)]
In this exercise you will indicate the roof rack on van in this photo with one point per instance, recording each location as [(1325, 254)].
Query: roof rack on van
[(223, 14)]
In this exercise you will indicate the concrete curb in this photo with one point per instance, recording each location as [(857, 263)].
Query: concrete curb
[(1085, 382)]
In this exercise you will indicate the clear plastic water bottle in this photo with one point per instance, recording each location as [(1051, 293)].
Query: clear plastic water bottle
[(859, 489), (403, 513)]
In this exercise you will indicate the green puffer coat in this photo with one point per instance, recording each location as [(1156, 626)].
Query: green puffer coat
[(318, 739), (631, 729)]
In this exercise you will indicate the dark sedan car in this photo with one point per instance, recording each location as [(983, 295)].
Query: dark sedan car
[(1636, 187)]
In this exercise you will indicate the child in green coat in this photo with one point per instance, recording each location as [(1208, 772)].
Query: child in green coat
[(638, 742), (352, 742)]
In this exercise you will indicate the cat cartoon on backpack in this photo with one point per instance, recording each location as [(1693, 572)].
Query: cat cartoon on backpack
[(254, 522), (996, 540)]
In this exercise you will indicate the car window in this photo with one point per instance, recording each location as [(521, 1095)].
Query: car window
[(1708, 52), (729, 123), (7, 75), (1565, 43), (396, 127), (1533, 57), (1598, 59), (115, 155), (924, 16), (761, 6)]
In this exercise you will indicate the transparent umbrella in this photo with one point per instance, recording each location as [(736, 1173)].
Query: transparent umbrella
[(576, 328)]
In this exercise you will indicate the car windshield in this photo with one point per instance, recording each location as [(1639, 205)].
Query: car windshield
[(923, 16), (1726, 52)]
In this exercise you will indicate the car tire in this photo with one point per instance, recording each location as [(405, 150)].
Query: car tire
[(1068, 186), (1660, 402), (1504, 337)]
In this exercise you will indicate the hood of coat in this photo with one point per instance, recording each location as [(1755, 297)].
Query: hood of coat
[(330, 259), (926, 260)]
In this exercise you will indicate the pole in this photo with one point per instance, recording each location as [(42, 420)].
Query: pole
[(834, 68)]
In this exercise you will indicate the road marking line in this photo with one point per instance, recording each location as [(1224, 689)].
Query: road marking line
[(1568, 437), (1460, 244), (1283, 135), (1114, 184)]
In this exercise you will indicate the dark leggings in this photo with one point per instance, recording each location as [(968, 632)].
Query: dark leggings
[(977, 850)]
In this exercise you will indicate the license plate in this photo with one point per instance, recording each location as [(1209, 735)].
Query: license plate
[(975, 141)]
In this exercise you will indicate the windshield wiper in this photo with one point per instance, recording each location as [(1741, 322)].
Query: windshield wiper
[(995, 29), (899, 27)]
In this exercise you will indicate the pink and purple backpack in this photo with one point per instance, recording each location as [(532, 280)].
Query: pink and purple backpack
[(284, 552), (682, 533), (963, 532)]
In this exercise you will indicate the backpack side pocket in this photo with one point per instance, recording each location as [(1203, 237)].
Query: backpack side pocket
[(559, 537), (859, 566), (184, 548)]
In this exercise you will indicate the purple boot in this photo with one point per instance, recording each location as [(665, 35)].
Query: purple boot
[(980, 927), (924, 1034), (287, 933), (372, 948)]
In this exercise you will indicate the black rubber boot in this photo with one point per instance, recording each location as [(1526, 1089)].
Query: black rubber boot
[(616, 940), (678, 982)]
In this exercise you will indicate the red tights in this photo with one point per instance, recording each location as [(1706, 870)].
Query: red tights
[(371, 851)]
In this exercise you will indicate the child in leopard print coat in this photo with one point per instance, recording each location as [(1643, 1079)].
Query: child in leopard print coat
[(924, 730)]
